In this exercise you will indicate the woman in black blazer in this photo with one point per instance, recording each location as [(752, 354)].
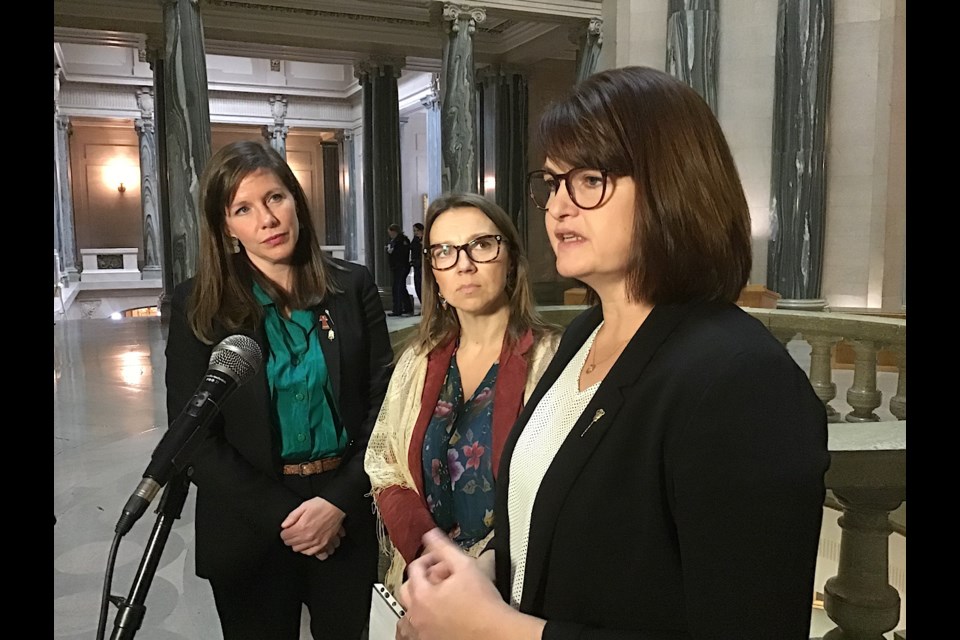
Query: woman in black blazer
[(283, 515), (665, 481)]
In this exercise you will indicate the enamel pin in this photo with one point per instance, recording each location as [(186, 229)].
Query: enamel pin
[(327, 325)]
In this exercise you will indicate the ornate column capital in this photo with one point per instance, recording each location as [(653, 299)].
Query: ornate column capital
[(152, 49), (144, 125), (591, 30), (453, 14), (377, 65), (276, 131)]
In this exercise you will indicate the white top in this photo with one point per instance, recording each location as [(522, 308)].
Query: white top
[(551, 422)]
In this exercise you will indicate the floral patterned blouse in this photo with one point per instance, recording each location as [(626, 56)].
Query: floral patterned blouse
[(458, 459)]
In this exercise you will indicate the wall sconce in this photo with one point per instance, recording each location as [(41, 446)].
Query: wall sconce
[(121, 188)]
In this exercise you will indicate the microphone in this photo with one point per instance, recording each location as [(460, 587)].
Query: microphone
[(233, 361)]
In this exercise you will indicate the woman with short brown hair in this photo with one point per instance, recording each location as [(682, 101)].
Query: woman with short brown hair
[(665, 480)]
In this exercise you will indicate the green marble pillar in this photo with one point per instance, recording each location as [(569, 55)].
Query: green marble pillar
[(382, 203), (187, 115), (458, 92), (693, 35)]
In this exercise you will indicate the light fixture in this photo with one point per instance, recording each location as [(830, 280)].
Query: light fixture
[(121, 188)]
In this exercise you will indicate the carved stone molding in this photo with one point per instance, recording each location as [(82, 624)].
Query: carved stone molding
[(278, 107), (56, 87), (319, 13), (145, 102)]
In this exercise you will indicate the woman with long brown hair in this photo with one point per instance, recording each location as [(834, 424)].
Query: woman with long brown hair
[(283, 516), (460, 384)]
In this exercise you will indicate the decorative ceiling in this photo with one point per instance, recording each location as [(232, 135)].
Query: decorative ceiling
[(337, 31)]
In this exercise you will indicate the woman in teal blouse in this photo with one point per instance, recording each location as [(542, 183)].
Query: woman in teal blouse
[(283, 515)]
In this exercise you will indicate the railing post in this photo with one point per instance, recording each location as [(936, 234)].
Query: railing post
[(821, 371), (860, 598), (898, 403), (864, 396)]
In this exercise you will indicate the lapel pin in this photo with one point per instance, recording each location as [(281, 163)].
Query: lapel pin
[(599, 414), (326, 324)]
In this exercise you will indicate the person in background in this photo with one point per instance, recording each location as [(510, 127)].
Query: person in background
[(665, 479), (398, 252), (416, 261), (459, 385), (283, 513)]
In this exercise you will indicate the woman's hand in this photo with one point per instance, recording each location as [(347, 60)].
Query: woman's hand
[(314, 528), (448, 596)]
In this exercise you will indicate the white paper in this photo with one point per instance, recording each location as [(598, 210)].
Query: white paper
[(385, 612)]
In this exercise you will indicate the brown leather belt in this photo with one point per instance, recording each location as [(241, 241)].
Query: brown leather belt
[(311, 468)]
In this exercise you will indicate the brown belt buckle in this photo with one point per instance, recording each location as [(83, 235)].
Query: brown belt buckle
[(302, 466)]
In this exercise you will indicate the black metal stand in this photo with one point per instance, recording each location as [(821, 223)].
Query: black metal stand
[(131, 610)]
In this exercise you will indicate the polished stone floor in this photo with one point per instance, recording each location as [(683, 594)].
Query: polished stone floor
[(108, 417)]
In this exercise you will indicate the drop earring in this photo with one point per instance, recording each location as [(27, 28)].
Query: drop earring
[(235, 244), (443, 301)]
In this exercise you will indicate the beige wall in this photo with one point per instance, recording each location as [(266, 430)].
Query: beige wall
[(101, 153), (745, 87), (866, 159)]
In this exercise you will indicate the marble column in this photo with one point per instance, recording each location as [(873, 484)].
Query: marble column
[(57, 234), (187, 123), (693, 37), (349, 182), (276, 133), (589, 41), (333, 219), (155, 52), (459, 97), (503, 93), (382, 198), (68, 243), (431, 104), (798, 172), (149, 191)]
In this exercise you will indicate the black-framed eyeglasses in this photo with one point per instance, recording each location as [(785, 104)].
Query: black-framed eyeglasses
[(586, 187), (479, 250)]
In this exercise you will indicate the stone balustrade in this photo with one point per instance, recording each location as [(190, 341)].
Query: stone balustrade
[(867, 475), (868, 334)]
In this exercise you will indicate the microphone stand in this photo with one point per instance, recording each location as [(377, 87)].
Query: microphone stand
[(131, 610)]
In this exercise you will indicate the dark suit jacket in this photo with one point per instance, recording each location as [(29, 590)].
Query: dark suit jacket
[(399, 256), (692, 508), (240, 498)]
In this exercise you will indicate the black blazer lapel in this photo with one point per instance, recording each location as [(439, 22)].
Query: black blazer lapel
[(600, 415)]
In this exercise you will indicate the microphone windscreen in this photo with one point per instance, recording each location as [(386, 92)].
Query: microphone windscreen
[(238, 356)]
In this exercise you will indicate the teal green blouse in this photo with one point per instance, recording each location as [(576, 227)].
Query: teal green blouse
[(303, 403)]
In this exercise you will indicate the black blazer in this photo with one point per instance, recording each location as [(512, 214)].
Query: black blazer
[(692, 508), (240, 498)]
